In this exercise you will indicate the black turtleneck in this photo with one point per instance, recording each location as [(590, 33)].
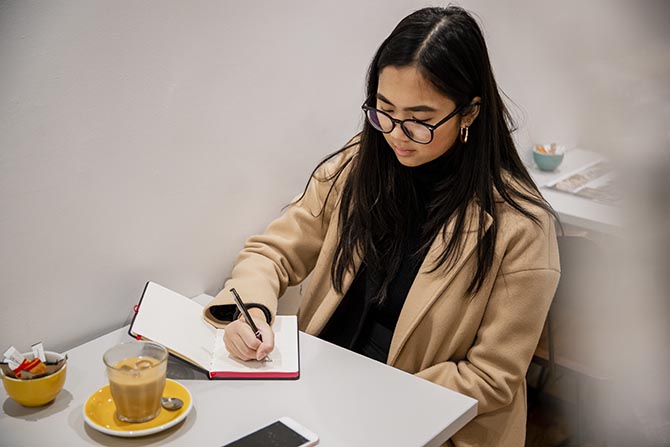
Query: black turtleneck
[(359, 323)]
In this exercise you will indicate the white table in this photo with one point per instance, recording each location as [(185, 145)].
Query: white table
[(575, 210), (347, 399)]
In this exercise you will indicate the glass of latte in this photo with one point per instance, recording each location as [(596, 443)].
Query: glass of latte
[(136, 373)]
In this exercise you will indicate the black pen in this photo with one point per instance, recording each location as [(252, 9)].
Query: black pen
[(245, 312)]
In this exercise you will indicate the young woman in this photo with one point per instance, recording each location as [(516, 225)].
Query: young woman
[(429, 246)]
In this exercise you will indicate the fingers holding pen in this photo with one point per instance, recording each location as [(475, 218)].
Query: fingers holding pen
[(255, 318), (268, 340), (265, 336), (240, 341)]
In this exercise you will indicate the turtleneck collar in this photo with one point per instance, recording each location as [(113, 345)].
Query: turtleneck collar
[(427, 175)]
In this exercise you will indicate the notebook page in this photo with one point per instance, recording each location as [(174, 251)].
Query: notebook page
[(175, 322)]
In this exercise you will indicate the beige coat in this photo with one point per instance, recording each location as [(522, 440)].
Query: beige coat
[(479, 345)]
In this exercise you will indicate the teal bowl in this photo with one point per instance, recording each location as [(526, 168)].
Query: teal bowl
[(547, 162)]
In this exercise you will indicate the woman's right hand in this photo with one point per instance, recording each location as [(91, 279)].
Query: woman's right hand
[(241, 342)]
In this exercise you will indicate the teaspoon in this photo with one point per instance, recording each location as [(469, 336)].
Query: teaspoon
[(171, 403)]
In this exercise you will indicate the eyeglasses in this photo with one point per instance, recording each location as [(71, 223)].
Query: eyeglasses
[(415, 130)]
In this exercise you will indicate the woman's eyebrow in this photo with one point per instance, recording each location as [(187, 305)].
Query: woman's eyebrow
[(420, 108)]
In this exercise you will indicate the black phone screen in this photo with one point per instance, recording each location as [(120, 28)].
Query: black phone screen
[(273, 435)]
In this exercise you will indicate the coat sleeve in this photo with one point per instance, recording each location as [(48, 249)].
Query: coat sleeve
[(286, 252), (496, 364)]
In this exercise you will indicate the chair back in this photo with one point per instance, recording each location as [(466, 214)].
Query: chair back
[(573, 332)]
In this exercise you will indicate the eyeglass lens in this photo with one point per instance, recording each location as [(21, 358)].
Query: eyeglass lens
[(382, 122)]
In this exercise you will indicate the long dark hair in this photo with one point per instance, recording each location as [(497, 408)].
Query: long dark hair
[(446, 45)]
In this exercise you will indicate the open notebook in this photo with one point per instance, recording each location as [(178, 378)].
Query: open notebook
[(177, 322)]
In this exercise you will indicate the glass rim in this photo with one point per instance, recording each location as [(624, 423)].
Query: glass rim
[(163, 357)]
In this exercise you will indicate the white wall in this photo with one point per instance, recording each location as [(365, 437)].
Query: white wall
[(146, 140)]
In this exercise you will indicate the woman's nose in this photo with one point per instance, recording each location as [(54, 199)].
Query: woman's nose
[(398, 134)]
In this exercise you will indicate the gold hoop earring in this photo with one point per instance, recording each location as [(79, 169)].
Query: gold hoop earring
[(464, 135)]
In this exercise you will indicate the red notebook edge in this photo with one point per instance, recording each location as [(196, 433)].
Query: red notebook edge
[(252, 376)]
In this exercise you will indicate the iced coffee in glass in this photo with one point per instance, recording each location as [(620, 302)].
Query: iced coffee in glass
[(136, 373)]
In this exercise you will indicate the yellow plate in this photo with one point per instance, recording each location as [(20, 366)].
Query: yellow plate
[(100, 413)]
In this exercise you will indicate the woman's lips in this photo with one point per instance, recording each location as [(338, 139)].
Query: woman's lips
[(402, 152)]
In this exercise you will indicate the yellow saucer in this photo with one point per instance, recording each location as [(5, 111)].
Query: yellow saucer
[(100, 413)]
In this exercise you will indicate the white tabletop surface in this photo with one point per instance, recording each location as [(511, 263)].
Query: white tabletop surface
[(347, 399), (573, 209)]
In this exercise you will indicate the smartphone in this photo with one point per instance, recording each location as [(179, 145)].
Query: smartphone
[(284, 432)]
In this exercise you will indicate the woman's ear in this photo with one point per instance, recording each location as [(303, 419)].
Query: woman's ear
[(471, 112)]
